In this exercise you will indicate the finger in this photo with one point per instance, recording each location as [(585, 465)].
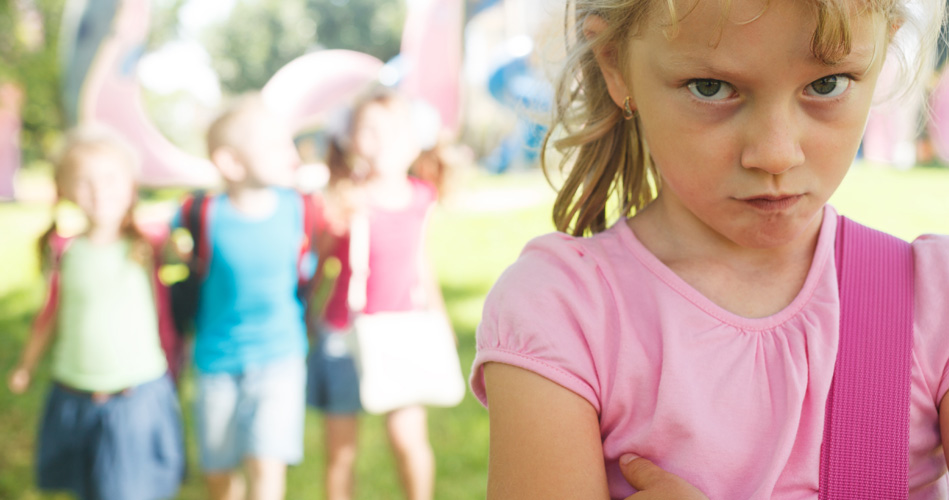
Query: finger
[(641, 473)]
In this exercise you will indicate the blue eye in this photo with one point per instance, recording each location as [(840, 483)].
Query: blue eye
[(829, 86), (710, 90)]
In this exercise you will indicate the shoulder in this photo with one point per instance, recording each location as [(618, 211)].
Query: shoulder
[(566, 253), (932, 248), (931, 339), (556, 269), (549, 310), (931, 260), (425, 191), (56, 245)]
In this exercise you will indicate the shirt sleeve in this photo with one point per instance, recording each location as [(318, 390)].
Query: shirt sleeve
[(541, 316), (931, 258)]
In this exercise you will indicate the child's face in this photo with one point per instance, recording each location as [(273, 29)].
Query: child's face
[(269, 154), (752, 134), (102, 185), (384, 137)]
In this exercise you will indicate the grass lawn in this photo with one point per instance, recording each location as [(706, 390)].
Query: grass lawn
[(474, 237)]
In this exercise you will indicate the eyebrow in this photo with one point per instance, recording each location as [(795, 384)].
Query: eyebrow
[(859, 61), (862, 56)]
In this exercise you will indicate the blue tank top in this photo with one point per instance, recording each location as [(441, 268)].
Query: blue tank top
[(249, 312)]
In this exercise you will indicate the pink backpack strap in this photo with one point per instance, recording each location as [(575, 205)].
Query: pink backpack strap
[(865, 450)]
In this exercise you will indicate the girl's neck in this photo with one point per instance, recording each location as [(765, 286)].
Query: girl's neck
[(103, 235), (253, 201), (749, 282)]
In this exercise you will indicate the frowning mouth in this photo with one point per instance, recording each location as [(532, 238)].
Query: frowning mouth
[(772, 203)]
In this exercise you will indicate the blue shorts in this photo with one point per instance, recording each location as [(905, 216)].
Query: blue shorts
[(257, 413), (130, 447), (332, 381)]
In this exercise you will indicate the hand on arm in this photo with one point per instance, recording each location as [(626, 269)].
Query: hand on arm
[(654, 483), (545, 439)]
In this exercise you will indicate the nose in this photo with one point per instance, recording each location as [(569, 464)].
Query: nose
[(772, 140)]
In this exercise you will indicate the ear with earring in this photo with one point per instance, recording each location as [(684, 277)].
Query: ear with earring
[(627, 110)]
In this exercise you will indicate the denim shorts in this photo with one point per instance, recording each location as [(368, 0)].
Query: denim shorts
[(332, 381), (130, 447), (257, 413)]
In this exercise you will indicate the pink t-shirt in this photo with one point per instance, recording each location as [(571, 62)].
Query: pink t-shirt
[(733, 405), (395, 246)]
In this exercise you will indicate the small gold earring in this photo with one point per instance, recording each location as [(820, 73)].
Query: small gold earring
[(627, 110)]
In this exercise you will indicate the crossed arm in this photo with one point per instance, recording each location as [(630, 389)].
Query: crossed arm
[(545, 443)]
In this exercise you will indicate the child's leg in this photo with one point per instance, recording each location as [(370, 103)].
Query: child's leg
[(217, 405), (275, 394), (268, 479), (340, 438), (227, 485), (334, 390), (408, 434)]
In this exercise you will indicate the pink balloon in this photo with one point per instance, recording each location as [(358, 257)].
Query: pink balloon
[(111, 95), (304, 90), (432, 54)]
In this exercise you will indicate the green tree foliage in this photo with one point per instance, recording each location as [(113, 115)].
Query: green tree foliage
[(29, 58), (258, 39), (261, 36), (164, 22), (370, 26)]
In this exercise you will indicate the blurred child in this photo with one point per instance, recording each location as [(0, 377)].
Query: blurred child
[(697, 327), (250, 341), (112, 425), (369, 161)]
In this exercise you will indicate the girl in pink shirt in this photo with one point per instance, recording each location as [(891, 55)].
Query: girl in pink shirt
[(687, 349), (369, 161)]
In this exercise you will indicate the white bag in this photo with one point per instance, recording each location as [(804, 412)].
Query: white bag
[(402, 358), (406, 359)]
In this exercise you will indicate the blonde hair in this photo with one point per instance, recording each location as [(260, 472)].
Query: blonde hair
[(80, 143), (605, 160), (231, 128)]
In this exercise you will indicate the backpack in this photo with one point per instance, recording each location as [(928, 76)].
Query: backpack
[(185, 294), (168, 333)]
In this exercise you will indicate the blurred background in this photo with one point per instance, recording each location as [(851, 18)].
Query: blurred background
[(159, 70)]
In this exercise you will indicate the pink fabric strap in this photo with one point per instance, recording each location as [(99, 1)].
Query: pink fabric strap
[(865, 450)]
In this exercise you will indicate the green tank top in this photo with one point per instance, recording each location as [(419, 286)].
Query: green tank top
[(106, 323)]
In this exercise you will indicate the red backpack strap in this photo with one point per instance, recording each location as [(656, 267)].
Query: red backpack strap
[(865, 450), (171, 339), (57, 248)]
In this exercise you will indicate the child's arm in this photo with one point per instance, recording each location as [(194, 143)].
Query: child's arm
[(545, 443), (42, 333), (545, 439)]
